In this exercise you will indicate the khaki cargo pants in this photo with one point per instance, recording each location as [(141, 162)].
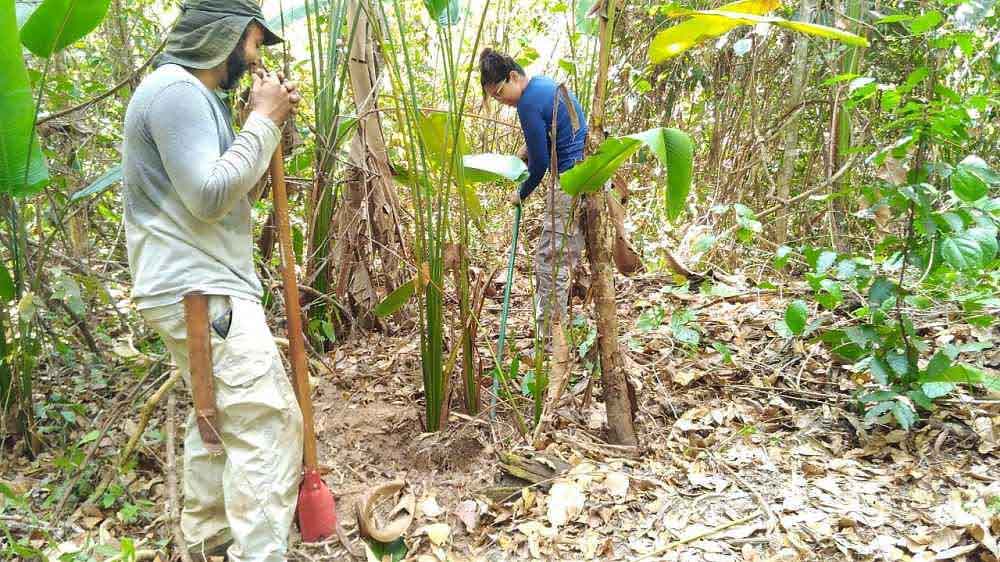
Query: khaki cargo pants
[(248, 493), (556, 254)]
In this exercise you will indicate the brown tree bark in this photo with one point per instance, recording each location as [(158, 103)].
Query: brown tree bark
[(366, 226), (621, 423)]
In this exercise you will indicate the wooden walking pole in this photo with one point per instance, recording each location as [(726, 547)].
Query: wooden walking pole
[(316, 509)]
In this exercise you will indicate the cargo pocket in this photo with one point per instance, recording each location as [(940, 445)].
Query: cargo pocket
[(248, 352)]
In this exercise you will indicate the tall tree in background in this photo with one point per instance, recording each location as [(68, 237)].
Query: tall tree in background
[(800, 72)]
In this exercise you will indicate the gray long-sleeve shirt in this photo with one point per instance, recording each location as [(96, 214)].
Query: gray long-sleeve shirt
[(187, 178)]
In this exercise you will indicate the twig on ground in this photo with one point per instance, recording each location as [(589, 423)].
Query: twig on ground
[(145, 413), (761, 503), (172, 503), (699, 536)]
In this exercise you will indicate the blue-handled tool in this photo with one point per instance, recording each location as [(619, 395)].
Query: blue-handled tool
[(503, 313)]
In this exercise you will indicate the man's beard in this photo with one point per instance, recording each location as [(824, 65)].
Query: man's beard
[(236, 66)]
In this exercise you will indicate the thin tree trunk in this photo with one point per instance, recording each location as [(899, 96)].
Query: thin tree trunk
[(791, 150), (843, 115), (621, 425)]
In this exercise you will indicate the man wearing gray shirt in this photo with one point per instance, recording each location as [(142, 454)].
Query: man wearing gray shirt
[(187, 196)]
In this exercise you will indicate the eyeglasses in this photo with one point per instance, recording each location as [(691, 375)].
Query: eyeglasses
[(496, 95)]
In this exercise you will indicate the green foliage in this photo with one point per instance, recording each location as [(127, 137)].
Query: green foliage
[(57, 23), (19, 174), (946, 197), (493, 167), (444, 12), (706, 24), (100, 185), (672, 147), (396, 299), (683, 327), (796, 315)]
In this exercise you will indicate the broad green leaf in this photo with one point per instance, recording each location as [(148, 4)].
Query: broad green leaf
[(493, 167), (90, 436), (881, 290), (987, 240), (394, 551), (967, 184), (904, 414), (396, 299), (926, 22), (894, 18), (100, 185), (706, 24), (527, 56), (681, 37), (878, 396), (920, 398), (472, 203), (781, 257), (291, 15), (19, 174), (961, 253), (672, 147), (825, 261), (881, 371), (680, 329), (444, 12), (980, 168), (439, 139), (796, 315), (57, 23), (898, 362), (584, 23), (675, 150), (938, 364), (961, 373), (878, 410), (937, 389)]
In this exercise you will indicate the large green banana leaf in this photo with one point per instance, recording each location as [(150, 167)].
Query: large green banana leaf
[(676, 39), (444, 12), (493, 167), (57, 23), (19, 173), (672, 147), (707, 24)]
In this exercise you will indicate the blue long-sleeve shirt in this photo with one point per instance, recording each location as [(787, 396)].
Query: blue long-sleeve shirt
[(535, 113)]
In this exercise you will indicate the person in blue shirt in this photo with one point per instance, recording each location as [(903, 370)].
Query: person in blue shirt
[(561, 241)]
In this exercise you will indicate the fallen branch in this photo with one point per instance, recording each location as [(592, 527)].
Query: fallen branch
[(145, 413), (698, 536), (772, 521), (115, 88), (172, 504), (317, 364)]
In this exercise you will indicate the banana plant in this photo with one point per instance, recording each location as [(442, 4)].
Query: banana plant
[(707, 24), (52, 26), (672, 147)]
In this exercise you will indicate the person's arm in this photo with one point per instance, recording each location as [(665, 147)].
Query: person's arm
[(536, 140), (209, 183)]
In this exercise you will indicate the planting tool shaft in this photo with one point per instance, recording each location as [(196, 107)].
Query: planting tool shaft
[(503, 313), (316, 508)]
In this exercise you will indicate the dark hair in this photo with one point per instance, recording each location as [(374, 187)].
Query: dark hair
[(495, 67)]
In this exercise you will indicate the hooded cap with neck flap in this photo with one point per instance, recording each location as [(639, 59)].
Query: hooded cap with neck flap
[(207, 32)]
